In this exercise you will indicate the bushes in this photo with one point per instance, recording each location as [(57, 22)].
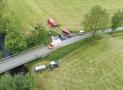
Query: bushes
[(38, 36), (117, 19), (15, 40), (18, 82)]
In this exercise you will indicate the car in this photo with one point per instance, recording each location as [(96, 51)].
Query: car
[(53, 64), (62, 37), (81, 32), (66, 33)]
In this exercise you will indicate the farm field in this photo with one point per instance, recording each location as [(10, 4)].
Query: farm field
[(96, 65), (28, 13)]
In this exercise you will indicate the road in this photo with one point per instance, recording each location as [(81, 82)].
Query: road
[(31, 55)]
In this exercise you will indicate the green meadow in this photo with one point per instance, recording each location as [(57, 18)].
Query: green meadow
[(68, 13), (96, 64)]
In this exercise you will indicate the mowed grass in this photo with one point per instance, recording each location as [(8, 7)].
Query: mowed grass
[(96, 65), (69, 13)]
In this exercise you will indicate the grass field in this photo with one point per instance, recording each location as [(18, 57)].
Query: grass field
[(27, 13), (95, 65)]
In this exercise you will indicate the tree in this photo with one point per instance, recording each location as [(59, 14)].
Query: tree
[(38, 36), (117, 19), (18, 82), (15, 40), (6, 83), (96, 19)]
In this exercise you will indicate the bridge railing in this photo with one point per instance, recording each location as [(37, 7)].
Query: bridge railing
[(22, 52)]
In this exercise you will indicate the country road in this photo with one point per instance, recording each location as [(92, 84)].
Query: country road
[(33, 54)]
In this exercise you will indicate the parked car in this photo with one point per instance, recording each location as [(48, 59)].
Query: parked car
[(66, 32), (62, 37), (53, 64), (40, 68), (81, 32)]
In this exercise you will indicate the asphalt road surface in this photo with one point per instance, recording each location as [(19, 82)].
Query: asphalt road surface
[(31, 55)]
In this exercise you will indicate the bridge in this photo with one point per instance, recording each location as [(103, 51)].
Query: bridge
[(38, 52)]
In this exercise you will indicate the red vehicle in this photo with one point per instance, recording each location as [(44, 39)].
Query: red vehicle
[(52, 23), (50, 46), (66, 32)]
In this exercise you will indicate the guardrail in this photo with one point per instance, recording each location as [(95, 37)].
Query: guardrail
[(20, 63), (22, 52)]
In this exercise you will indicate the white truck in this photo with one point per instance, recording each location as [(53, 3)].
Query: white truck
[(40, 68)]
